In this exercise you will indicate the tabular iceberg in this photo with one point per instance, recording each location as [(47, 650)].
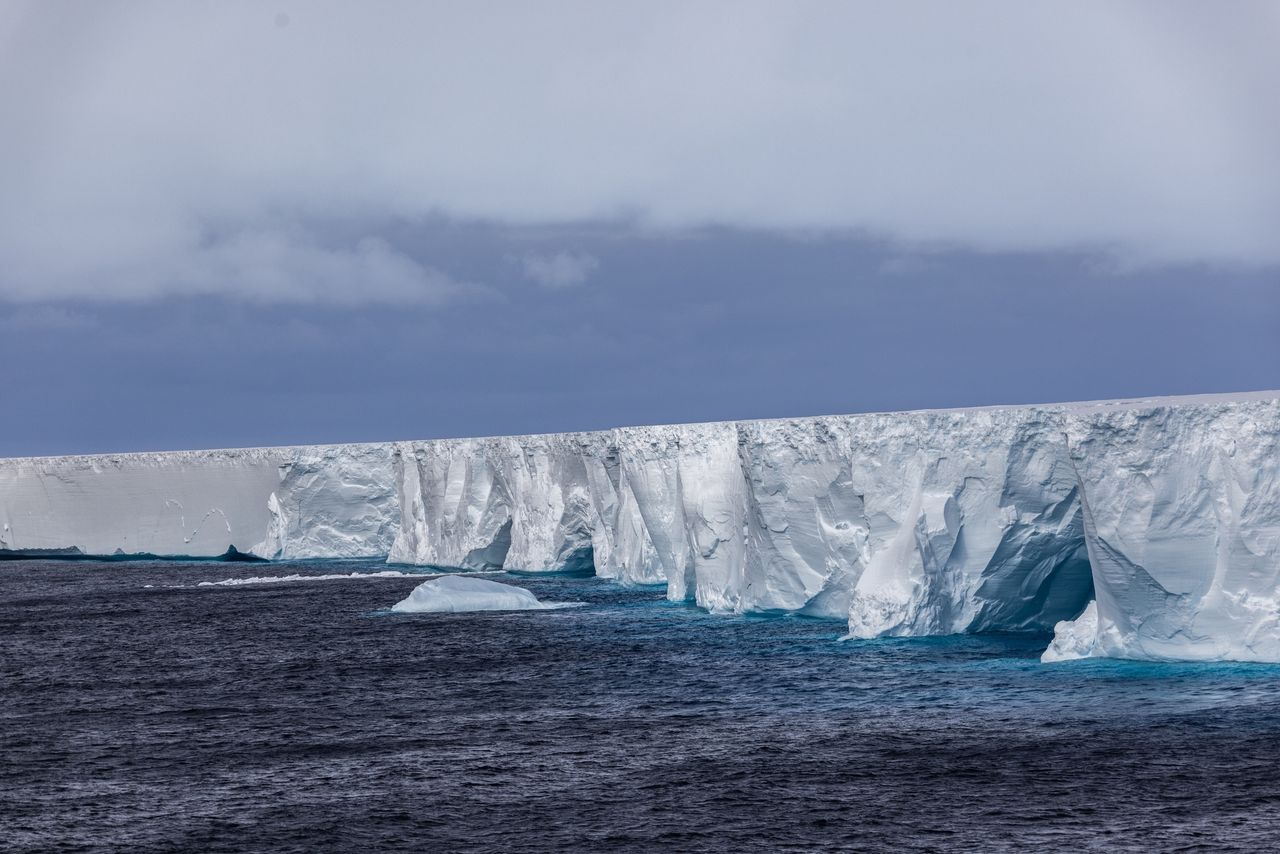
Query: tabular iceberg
[(1165, 512)]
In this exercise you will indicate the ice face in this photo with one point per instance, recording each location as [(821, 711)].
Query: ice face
[(453, 594), (334, 501), (1182, 521), (187, 503), (1166, 511)]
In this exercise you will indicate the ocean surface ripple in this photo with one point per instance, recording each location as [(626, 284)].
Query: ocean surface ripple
[(140, 711)]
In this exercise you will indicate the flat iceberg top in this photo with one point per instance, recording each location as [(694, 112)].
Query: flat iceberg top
[(271, 452), (454, 594)]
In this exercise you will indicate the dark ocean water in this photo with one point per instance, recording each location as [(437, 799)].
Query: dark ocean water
[(300, 716)]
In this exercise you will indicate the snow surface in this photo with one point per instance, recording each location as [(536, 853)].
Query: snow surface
[(454, 594), (1166, 511)]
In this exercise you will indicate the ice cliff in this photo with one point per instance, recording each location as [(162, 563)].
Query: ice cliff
[(1166, 512)]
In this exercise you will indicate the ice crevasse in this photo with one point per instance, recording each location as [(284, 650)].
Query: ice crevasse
[(1163, 512)]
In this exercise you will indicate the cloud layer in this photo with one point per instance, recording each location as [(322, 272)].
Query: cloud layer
[(177, 148), (561, 269)]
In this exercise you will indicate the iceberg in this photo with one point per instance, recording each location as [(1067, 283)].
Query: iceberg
[(1165, 512), (453, 594)]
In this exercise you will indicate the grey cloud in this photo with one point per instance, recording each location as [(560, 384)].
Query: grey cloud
[(732, 324), (560, 269), (45, 319), (905, 265), (1144, 130), (259, 263), (274, 266)]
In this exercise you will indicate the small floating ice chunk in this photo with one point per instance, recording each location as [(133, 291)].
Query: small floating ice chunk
[(453, 594), (1074, 638)]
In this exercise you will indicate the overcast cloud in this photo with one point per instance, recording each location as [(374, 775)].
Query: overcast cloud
[(560, 269), (177, 148), (228, 223)]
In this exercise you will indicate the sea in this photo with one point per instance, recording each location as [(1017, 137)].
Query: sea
[(235, 707)]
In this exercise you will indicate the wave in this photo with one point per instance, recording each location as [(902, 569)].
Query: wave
[(277, 579)]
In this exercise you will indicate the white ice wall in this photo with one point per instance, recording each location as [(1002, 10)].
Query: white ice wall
[(332, 501), (188, 503), (904, 523), (1182, 512)]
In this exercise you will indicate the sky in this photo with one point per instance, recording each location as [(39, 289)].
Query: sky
[(227, 224)]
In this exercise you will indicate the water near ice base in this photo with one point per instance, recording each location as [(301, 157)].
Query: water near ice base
[(142, 711)]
